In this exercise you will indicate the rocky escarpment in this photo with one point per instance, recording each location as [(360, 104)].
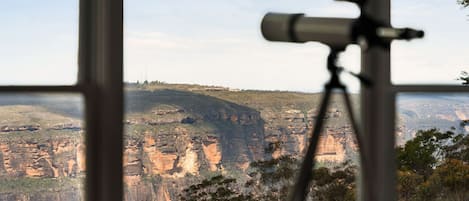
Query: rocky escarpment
[(176, 138), (288, 131), (41, 170), (172, 139), (237, 130), (425, 111), (288, 122), (40, 158), (50, 158), (177, 135)]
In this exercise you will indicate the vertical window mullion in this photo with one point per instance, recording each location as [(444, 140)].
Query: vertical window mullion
[(378, 111), (100, 72)]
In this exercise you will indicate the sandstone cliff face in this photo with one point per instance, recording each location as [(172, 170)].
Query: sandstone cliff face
[(25, 162), (187, 144), (172, 144), (42, 154), (49, 158), (68, 194), (195, 127), (175, 138), (289, 131), (172, 139)]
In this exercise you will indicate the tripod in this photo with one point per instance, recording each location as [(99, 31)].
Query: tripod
[(300, 189)]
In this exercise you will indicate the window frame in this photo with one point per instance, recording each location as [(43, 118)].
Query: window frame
[(378, 118), (100, 81)]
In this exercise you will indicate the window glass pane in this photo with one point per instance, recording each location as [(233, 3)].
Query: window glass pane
[(220, 43), (42, 152), (440, 57), (39, 42), (179, 135), (206, 95), (432, 146)]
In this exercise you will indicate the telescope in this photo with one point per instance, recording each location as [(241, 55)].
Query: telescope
[(334, 32)]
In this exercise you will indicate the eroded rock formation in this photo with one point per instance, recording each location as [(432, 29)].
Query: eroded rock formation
[(172, 139)]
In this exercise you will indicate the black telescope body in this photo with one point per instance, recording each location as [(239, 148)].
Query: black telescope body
[(334, 32)]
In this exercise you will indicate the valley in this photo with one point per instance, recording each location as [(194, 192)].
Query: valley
[(177, 135)]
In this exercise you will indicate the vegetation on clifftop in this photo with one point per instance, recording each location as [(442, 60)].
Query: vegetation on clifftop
[(434, 166)]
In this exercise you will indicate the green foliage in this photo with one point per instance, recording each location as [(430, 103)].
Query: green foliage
[(216, 188), (464, 77), (464, 3), (451, 178), (275, 169), (434, 166), (335, 185), (272, 179), (31, 185), (420, 155), (407, 182), (274, 100), (459, 149), (40, 136)]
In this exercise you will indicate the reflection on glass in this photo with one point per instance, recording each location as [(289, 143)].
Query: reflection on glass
[(42, 152), (432, 146), (440, 57), (39, 42)]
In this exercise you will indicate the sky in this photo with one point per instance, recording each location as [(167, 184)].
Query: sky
[(215, 42)]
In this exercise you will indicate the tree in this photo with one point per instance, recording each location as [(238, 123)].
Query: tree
[(336, 185), (421, 154), (450, 180), (464, 3), (271, 179), (407, 185), (459, 149), (434, 166), (216, 188), (464, 75)]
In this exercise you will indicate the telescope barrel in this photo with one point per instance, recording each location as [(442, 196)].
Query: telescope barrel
[(335, 32)]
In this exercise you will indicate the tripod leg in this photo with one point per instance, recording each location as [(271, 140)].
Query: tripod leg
[(299, 191), (358, 133), (353, 121)]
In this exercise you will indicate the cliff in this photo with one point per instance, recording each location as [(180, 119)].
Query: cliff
[(177, 135), (42, 155)]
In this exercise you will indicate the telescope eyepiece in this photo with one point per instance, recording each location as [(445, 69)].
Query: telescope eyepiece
[(409, 33), (390, 33)]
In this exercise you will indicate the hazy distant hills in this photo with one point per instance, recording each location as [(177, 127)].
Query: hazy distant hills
[(415, 111), (425, 111)]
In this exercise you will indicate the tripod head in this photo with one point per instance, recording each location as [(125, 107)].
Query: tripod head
[(335, 71)]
